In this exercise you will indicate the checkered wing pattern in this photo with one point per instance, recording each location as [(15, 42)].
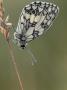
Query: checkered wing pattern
[(35, 18)]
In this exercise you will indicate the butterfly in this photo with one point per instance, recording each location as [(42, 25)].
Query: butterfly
[(34, 20)]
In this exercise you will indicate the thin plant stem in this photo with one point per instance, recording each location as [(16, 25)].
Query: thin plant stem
[(15, 65)]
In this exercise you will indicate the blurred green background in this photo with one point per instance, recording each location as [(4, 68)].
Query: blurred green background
[(50, 72)]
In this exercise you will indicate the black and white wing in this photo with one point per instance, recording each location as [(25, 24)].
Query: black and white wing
[(35, 18)]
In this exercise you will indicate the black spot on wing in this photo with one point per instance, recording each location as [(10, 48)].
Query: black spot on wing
[(35, 34)]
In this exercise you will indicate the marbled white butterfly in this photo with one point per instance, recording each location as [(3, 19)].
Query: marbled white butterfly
[(35, 19)]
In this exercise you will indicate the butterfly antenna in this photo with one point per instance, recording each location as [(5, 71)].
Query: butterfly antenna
[(15, 65), (34, 60)]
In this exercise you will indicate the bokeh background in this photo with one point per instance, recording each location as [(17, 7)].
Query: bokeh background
[(50, 72)]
